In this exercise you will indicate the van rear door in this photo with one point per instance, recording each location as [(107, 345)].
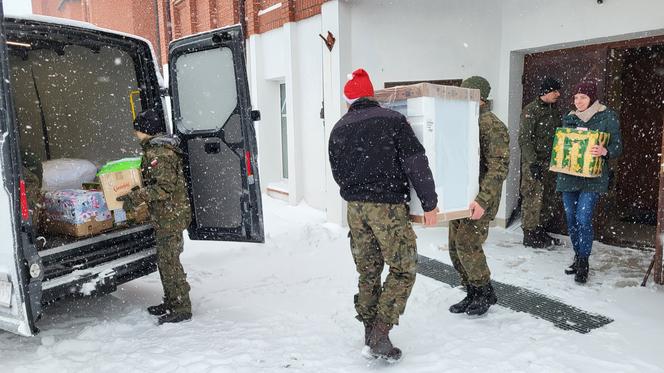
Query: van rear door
[(213, 117), (20, 273)]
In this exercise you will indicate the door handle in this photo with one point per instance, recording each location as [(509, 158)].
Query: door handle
[(212, 147)]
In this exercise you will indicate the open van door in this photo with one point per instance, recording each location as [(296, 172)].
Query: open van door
[(20, 267), (212, 116)]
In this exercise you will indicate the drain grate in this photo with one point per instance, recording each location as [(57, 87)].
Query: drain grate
[(519, 299)]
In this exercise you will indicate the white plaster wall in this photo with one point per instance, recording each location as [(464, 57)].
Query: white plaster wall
[(265, 97), (549, 24), (308, 101), (405, 40), (274, 55), (292, 55), (335, 19), (539, 25), (402, 40)]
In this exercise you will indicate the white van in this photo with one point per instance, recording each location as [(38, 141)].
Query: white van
[(71, 90)]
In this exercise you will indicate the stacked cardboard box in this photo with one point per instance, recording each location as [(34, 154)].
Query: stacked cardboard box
[(76, 212)]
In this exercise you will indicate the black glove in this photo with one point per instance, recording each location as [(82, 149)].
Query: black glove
[(127, 204), (537, 171)]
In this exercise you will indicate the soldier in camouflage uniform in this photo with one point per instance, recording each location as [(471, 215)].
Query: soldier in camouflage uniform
[(165, 192), (373, 155), (466, 236), (539, 121)]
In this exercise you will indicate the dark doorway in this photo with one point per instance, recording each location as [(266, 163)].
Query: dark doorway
[(642, 95), (630, 78)]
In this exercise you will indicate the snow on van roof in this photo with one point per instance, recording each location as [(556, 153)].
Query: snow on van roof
[(89, 26)]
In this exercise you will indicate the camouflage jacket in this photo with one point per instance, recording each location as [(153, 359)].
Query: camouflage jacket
[(494, 161), (539, 121), (165, 190)]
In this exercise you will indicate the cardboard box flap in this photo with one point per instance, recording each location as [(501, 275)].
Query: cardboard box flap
[(447, 92)]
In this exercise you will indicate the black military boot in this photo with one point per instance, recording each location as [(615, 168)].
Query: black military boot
[(368, 325), (484, 298), (547, 238), (571, 270), (461, 306), (379, 342), (582, 271), (533, 239), (174, 317), (158, 310)]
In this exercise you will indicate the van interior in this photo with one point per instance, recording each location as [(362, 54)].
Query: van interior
[(76, 97)]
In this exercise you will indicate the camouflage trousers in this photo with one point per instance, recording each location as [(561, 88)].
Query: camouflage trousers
[(173, 278), (537, 199), (381, 233), (465, 243)]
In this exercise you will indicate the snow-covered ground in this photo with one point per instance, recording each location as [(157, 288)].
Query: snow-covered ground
[(286, 306)]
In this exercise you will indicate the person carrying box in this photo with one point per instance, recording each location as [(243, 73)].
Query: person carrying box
[(580, 194), (466, 236), (373, 154)]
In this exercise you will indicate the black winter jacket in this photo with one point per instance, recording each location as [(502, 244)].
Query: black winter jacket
[(374, 153)]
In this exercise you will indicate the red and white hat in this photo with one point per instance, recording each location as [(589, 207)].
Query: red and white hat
[(358, 86)]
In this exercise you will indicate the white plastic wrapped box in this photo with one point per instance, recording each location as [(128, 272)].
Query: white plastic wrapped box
[(446, 120)]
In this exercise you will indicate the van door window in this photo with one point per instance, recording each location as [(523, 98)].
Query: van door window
[(207, 90)]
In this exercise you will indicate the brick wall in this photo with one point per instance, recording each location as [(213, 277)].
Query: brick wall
[(259, 21), (130, 16), (307, 8), (165, 29), (192, 16), (58, 8), (173, 19)]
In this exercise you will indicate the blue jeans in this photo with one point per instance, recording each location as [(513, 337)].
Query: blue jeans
[(579, 208)]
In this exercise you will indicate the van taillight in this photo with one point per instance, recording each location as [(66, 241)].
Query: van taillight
[(247, 158), (25, 213)]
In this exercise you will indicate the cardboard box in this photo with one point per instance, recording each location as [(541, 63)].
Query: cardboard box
[(444, 119), (75, 206), (443, 217), (117, 178), (89, 228), (140, 214), (571, 152), (76, 212)]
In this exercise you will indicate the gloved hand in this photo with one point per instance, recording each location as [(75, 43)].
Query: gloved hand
[(537, 171), (127, 203)]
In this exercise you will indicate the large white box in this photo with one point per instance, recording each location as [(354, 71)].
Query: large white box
[(446, 121)]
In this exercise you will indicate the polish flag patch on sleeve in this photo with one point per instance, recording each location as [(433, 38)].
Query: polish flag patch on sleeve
[(154, 163)]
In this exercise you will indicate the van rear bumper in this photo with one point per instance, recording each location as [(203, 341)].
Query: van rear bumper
[(103, 279), (98, 265)]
